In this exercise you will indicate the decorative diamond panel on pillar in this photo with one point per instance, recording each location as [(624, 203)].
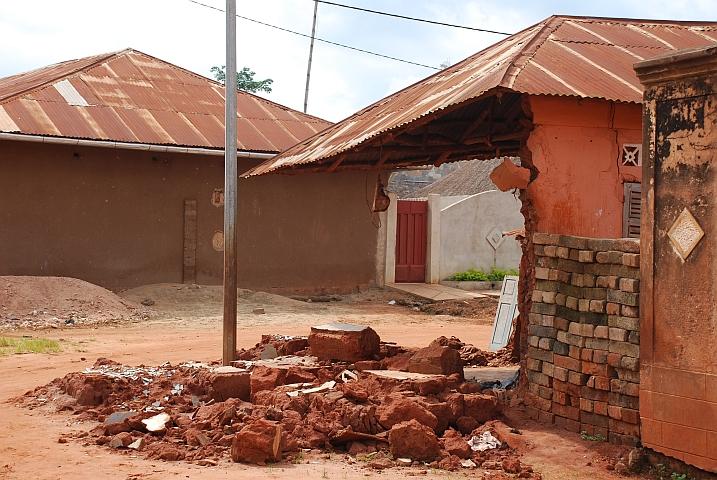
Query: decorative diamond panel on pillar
[(685, 234)]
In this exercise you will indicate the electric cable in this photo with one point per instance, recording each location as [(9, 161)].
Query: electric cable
[(412, 18), (318, 39)]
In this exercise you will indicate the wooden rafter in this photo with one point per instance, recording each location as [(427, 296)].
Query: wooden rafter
[(337, 162)]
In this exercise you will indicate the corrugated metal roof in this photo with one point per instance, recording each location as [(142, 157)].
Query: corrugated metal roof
[(562, 55), (128, 96)]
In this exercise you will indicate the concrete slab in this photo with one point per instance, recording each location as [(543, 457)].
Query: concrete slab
[(489, 374), (397, 375), (435, 292)]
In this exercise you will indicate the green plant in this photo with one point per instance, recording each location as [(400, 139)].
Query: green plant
[(325, 474), (592, 438), (28, 345), (299, 458), (473, 275), (677, 476)]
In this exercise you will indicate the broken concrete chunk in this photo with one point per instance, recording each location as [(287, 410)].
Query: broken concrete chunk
[(411, 439), (436, 359), (340, 341), (158, 423), (119, 417), (230, 382), (404, 462), (258, 442), (396, 408), (485, 442), (266, 378)]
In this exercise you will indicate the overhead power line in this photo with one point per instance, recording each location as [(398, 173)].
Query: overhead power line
[(319, 39), (412, 18)]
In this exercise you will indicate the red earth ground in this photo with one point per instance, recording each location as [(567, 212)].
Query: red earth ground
[(187, 326)]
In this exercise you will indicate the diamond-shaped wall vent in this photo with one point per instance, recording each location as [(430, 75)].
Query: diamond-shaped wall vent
[(685, 234), (495, 238)]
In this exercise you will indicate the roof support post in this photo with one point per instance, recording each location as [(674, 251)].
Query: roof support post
[(230, 191)]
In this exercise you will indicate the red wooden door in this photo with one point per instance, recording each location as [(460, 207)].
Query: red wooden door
[(411, 241)]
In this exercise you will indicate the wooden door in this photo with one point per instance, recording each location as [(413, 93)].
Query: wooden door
[(411, 241)]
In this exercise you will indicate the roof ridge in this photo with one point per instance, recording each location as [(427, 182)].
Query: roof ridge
[(221, 85), (524, 55), (101, 58)]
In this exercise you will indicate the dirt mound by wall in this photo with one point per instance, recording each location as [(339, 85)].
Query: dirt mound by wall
[(42, 302)]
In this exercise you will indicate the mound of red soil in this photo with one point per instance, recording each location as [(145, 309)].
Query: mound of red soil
[(44, 302)]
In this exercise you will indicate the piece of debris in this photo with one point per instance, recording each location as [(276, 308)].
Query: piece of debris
[(258, 311), (137, 444), (157, 424), (147, 302), (485, 442)]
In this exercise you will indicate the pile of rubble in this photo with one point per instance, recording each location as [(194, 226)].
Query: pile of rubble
[(341, 388)]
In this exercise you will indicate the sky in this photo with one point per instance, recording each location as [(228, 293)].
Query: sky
[(42, 32)]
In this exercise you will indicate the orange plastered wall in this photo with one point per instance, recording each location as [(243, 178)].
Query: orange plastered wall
[(576, 146)]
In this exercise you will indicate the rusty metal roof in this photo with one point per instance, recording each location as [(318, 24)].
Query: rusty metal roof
[(562, 55), (128, 96)]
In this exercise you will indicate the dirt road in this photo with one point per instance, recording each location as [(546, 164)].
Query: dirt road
[(187, 326)]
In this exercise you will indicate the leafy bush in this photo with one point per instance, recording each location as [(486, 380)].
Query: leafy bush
[(473, 275)]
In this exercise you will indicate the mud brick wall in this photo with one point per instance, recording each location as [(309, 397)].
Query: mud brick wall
[(583, 364)]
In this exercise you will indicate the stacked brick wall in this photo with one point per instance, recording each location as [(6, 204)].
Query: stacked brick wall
[(583, 364)]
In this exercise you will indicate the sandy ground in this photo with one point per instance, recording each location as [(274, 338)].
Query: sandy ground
[(187, 326)]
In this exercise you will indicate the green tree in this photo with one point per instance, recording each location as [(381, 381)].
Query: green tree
[(245, 79)]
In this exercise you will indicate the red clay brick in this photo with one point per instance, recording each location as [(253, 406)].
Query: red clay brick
[(624, 428), (575, 402), (546, 417), (600, 369), (600, 408), (567, 424), (570, 413), (578, 378), (614, 359), (586, 355), (602, 383), (630, 416), (567, 363), (612, 308), (594, 394), (586, 405), (560, 373), (624, 388), (560, 397), (567, 388)]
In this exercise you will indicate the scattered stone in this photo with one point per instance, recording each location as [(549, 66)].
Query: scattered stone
[(121, 440), (468, 463), (380, 462), (258, 311), (355, 391), (511, 465), (636, 459), (207, 462), (451, 463), (147, 302), (466, 425), (411, 439), (404, 462), (62, 440), (340, 341), (266, 378), (355, 448), (137, 444), (455, 444), (621, 468)]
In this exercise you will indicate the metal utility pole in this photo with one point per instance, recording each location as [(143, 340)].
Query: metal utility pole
[(311, 53), (230, 191)]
